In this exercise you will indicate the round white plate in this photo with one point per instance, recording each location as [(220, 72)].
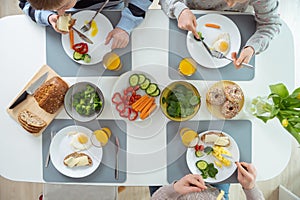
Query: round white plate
[(96, 50), (197, 50), (224, 172), (123, 82), (60, 147)]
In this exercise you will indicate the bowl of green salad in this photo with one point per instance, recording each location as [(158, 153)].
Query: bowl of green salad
[(84, 102), (180, 101)]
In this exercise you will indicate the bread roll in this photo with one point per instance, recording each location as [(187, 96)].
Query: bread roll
[(50, 96)]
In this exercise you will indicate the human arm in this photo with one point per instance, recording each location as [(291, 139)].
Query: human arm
[(131, 17), (188, 184), (247, 177), (268, 24), (38, 16)]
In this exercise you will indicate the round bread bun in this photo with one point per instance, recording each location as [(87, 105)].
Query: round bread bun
[(216, 110)]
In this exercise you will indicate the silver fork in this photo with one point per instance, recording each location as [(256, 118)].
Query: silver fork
[(87, 26), (220, 55)]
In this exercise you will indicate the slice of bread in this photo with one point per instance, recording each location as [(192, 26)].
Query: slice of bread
[(31, 122), (219, 139), (77, 159), (65, 22)]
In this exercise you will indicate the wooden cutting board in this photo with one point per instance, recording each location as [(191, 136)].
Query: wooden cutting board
[(30, 103)]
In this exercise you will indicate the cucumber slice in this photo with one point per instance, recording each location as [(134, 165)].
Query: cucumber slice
[(77, 56), (145, 84), (86, 58), (201, 165), (142, 78), (199, 154), (156, 93), (151, 89), (134, 80)]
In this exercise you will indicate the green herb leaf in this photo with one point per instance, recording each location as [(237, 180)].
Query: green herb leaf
[(279, 89)]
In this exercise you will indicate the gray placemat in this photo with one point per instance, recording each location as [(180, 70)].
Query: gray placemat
[(58, 60), (239, 130), (105, 173), (178, 50)]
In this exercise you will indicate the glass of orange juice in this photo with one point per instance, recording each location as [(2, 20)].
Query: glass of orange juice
[(189, 137), (112, 61), (187, 66), (101, 137)]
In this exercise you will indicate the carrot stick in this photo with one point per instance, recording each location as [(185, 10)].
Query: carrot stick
[(71, 36), (139, 101), (213, 25), (146, 108), (152, 108), (142, 105)]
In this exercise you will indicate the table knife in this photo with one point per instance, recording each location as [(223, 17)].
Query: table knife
[(30, 90), (48, 154), (82, 36), (117, 158)]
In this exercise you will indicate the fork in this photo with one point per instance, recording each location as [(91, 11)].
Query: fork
[(87, 26), (220, 55)]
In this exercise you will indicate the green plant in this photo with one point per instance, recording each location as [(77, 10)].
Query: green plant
[(280, 104)]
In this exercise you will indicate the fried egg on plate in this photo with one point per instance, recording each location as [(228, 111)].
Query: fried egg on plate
[(80, 141), (222, 43)]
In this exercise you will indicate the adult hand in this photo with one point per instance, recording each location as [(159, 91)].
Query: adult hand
[(245, 57), (120, 38), (246, 175), (190, 183), (187, 21), (53, 21)]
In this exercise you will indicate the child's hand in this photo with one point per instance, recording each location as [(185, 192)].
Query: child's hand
[(246, 175), (187, 21), (53, 21), (245, 57), (120, 38), (190, 183)]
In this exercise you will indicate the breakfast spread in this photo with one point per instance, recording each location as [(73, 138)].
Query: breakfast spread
[(31, 122), (50, 95), (77, 159), (225, 99)]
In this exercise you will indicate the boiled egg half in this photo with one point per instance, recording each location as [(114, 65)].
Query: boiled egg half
[(222, 43), (80, 141)]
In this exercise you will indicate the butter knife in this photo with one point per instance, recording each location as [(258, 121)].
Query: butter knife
[(82, 36), (48, 155), (117, 158), (30, 90)]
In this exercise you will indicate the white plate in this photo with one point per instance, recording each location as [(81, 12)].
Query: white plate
[(96, 50), (60, 147), (123, 82), (197, 50), (224, 172)]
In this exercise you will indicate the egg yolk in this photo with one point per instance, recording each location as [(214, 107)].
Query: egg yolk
[(223, 46), (82, 139), (94, 29)]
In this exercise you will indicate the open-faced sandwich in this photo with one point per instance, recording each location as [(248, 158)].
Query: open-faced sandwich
[(77, 159), (65, 22), (216, 138)]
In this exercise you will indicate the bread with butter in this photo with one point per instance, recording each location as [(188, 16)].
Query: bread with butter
[(216, 138), (65, 22), (50, 95), (77, 159)]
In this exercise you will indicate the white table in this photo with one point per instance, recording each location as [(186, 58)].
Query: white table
[(23, 52)]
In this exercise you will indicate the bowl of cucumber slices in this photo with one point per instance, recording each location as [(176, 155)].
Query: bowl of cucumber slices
[(180, 101)]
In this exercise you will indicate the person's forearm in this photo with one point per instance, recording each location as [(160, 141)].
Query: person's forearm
[(172, 8), (254, 194), (38, 16), (133, 15), (268, 24)]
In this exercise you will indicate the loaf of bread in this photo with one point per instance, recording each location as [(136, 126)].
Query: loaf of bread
[(77, 159), (31, 122), (50, 95)]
